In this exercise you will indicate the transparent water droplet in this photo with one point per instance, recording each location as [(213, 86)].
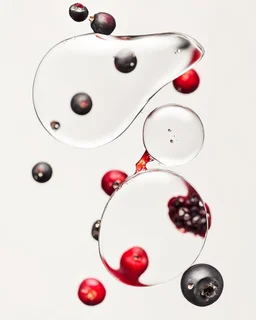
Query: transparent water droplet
[(87, 65), (143, 240), (186, 136)]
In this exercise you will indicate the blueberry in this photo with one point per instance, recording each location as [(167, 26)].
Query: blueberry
[(202, 285), (78, 12), (103, 23), (125, 61), (42, 172), (96, 230), (81, 103)]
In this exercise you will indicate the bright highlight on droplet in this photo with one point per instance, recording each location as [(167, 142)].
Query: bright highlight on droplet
[(173, 135)]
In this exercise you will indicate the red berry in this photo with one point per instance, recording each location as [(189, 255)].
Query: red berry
[(134, 262), (91, 292), (189, 214), (112, 180), (187, 82)]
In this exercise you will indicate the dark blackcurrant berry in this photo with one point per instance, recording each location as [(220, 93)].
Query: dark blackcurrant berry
[(78, 12), (125, 61), (96, 230), (81, 104), (42, 172), (55, 125), (202, 285), (103, 23)]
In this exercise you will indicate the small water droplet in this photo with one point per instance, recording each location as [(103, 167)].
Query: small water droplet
[(190, 286), (171, 140), (177, 51), (169, 130)]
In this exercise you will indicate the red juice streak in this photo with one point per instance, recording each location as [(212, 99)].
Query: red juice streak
[(141, 165)]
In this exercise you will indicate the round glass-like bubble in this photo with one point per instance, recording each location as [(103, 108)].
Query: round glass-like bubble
[(173, 135), (115, 87), (152, 229)]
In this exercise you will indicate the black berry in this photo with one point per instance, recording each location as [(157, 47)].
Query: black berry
[(202, 285), (103, 23), (78, 12), (189, 214), (96, 230), (125, 61), (81, 103), (42, 172)]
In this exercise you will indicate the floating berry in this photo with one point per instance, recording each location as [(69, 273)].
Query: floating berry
[(42, 172), (81, 104), (55, 125), (125, 61), (78, 12), (103, 23), (96, 230), (187, 82), (189, 214), (134, 262), (112, 180), (202, 285), (91, 292)]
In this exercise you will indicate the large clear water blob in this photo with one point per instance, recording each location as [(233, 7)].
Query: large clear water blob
[(94, 85), (173, 134), (152, 229)]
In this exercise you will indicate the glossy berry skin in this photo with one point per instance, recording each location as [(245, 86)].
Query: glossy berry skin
[(91, 292), (187, 82), (42, 172), (112, 180), (189, 214), (103, 23), (78, 12), (134, 262), (96, 230), (125, 61), (202, 285), (81, 104)]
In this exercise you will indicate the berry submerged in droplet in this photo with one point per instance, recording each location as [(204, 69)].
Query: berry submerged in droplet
[(125, 61), (96, 230), (202, 285), (91, 292), (81, 103), (188, 82), (103, 23), (42, 172), (112, 180), (134, 263), (78, 12), (189, 214)]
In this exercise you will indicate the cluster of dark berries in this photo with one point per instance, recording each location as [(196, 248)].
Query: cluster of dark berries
[(189, 214), (101, 22)]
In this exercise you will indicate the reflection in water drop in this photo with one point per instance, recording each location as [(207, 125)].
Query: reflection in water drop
[(85, 64), (187, 132), (137, 217)]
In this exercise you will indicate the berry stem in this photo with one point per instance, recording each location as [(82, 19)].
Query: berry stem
[(91, 19)]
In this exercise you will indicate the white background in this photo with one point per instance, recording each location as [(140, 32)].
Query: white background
[(45, 243)]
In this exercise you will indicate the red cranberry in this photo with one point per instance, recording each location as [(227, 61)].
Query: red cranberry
[(189, 215), (91, 292), (187, 82), (103, 23), (134, 262), (78, 12), (112, 180)]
